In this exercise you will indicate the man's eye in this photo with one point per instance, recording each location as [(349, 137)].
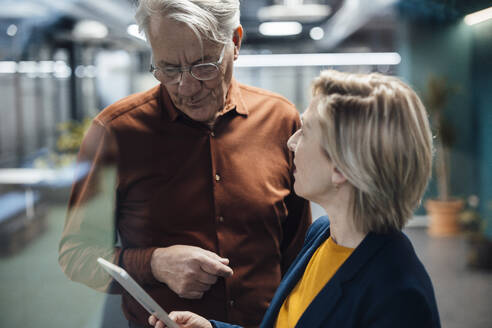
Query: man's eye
[(170, 71)]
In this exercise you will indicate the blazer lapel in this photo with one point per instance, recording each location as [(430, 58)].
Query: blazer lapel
[(326, 300), (367, 249), (293, 275), (322, 305)]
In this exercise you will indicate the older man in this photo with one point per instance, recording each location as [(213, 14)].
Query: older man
[(204, 207)]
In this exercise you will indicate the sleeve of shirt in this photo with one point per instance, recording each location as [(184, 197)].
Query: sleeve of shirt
[(298, 219), (89, 230)]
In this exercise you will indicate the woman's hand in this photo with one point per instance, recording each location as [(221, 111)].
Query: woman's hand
[(184, 319)]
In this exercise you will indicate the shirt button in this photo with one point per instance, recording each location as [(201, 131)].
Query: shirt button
[(221, 219), (217, 177), (231, 303)]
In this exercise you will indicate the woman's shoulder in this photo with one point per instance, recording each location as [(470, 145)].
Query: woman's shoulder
[(399, 260)]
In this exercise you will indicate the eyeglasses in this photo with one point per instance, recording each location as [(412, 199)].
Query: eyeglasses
[(201, 72)]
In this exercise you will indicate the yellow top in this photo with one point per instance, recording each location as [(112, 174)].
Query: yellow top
[(321, 267)]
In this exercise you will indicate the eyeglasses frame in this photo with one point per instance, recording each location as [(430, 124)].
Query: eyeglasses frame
[(154, 68)]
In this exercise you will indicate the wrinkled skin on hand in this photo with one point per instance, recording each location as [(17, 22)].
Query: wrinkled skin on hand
[(188, 271), (184, 319)]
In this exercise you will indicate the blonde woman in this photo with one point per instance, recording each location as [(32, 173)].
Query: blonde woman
[(364, 153)]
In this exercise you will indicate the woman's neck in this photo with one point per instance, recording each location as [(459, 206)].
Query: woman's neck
[(343, 233), (342, 228)]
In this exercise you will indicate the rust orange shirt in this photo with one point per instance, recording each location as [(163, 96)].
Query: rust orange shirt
[(177, 181)]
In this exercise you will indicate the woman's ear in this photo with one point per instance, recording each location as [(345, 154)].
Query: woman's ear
[(237, 38), (337, 177)]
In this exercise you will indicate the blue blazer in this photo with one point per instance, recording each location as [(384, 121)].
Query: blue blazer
[(382, 284)]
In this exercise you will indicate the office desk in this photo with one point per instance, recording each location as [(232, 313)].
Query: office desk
[(26, 178)]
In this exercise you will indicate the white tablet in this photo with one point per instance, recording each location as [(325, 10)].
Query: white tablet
[(136, 291)]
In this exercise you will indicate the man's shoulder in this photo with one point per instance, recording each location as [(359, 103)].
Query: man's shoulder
[(257, 95), (127, 105)]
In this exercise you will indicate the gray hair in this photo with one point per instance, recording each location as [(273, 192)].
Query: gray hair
[(376, 131), (214, 20)]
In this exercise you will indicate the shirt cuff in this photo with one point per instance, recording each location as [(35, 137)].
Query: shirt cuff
[(136, 261)]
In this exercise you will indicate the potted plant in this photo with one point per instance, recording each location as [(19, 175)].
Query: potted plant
[(62, 160), (70, 135), (443, 211), (479, 254)]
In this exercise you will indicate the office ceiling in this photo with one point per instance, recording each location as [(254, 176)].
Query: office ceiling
[(439, 11), (348, 21)]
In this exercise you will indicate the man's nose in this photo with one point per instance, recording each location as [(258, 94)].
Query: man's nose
[(188, 85)]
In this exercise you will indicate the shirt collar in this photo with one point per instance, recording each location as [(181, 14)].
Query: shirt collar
[(167, 106), (234, 101)]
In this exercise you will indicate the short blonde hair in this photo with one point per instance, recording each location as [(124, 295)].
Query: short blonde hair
[(376, 131)]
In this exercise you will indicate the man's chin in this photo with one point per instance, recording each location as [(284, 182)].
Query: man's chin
[(199, 115)]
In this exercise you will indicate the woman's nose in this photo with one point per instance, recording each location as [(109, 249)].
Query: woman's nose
[(291, 143)]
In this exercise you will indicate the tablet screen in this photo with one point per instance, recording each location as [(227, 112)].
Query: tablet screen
[(132, 287)]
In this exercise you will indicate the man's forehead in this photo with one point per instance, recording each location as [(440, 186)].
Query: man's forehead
[(173, 31), (173, 56)]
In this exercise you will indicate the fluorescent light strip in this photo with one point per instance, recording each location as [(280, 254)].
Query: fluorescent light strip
[(338, 59), (479, 16), (8, 67), (280, 28), (58, 68)]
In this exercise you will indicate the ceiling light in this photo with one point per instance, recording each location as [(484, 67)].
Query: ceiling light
[(305, 13), (320, 59), (91, 71), (90, 29), (45, 67), (8, 67), (80, 71), (316, 33), (62, 70), (133, 31), (27, 67), (479, 16), (12, 30), (280, 28)]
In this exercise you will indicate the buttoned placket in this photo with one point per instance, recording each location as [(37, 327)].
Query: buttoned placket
[(219, 218)]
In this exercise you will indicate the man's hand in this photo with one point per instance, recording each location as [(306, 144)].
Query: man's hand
[(183, 319), (188, 271)]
